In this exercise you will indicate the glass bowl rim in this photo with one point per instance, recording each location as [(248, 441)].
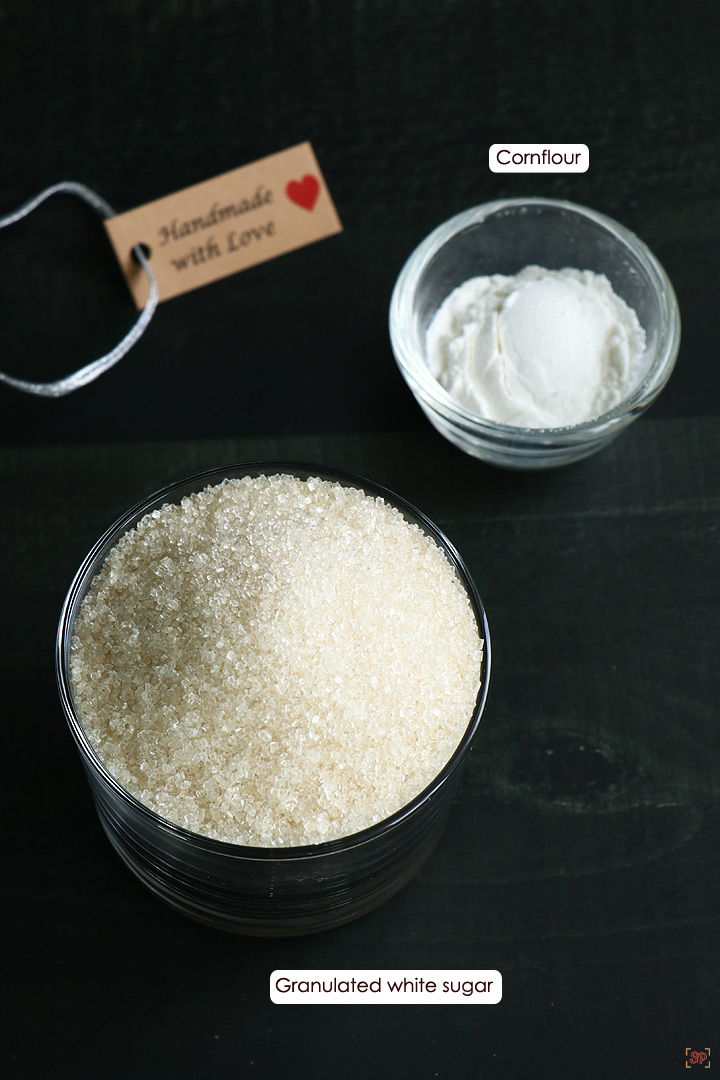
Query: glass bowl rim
[(435, 397), (91, 565)]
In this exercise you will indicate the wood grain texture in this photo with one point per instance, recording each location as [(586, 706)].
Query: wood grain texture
[(581, 859), (582, 856), (401, 101)]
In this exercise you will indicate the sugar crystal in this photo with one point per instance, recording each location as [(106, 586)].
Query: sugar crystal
[(276, 662)]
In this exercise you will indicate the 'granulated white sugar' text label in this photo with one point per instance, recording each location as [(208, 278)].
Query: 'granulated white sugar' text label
[(387, 986)]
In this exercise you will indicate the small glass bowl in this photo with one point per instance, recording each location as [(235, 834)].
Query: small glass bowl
[(503, 237), (266, 891)]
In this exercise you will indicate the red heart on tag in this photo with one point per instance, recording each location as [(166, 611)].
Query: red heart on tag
[(303, 192)]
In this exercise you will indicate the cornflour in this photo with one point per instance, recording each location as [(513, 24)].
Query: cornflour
[(540, 349)]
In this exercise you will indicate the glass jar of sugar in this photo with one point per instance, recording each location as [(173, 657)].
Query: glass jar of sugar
[(273, 674)]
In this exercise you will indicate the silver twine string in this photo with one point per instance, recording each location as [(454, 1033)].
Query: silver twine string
[(91, 371)]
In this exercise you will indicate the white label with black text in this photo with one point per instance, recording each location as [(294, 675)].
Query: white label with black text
[(386, 986), (539, 157)]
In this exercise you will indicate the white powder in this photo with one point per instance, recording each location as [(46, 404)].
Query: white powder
[(540, 349), (276, 662)]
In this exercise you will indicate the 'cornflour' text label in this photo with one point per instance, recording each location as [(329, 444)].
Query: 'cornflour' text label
[(539, 157)]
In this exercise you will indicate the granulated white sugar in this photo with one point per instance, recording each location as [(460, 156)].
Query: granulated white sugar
[(275, 661)]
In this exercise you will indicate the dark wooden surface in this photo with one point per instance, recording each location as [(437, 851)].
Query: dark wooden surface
[(582, 856), (401, 100)]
